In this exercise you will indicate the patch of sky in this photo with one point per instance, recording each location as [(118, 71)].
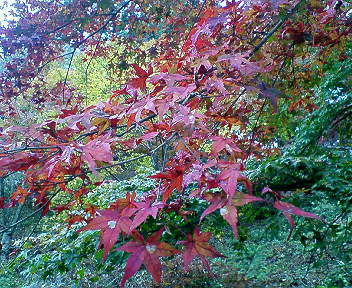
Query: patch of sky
[(5, 11)]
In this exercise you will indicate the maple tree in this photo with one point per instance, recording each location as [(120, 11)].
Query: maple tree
[(194, 102)]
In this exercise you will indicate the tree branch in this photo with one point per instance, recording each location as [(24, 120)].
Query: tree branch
[(274, 29)]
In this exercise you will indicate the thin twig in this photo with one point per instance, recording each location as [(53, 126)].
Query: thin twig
[(274, 29), (31, 214), (66, 77), (86, 70)]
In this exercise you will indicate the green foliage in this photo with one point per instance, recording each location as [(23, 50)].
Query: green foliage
[(315, 173), (320, 184), (289, 172), (330, 122), (63, 255)]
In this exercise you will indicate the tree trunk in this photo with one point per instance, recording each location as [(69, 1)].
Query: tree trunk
[(6, 245)]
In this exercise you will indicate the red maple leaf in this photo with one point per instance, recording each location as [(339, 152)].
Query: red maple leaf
[(221, 143), (18, 162), (180, 92), (173, 178), (142, 106), (271, 94), (146, 209), (197, 245), (241, 62), (146, 252), (217, 201), (60, 208), (126, 206), (167, 78), (97, 150), (287, 209), (139, 83), (111, 224), (228, 211), (20, 195), (74, 219), (241, 199), (2, 202), (68, 112), (229, 178)]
